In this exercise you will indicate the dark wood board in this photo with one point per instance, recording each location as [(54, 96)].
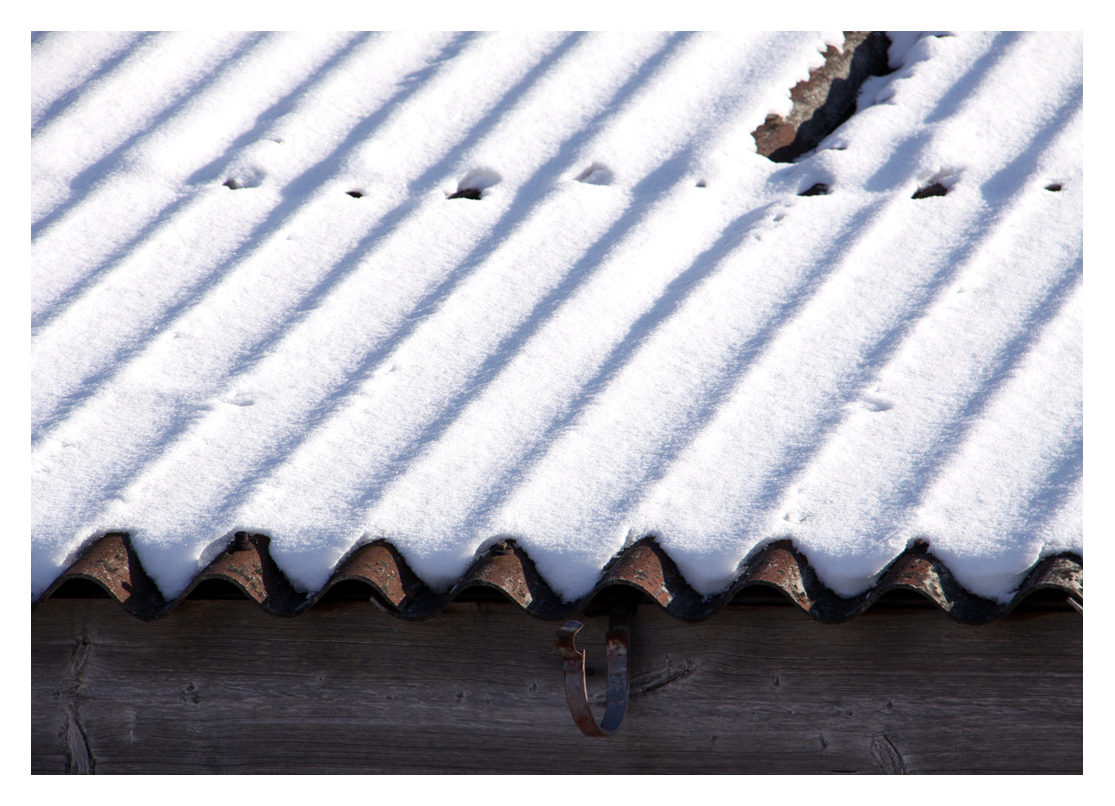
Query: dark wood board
[(219, 686)]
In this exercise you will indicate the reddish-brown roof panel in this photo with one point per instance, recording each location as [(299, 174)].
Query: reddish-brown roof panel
[(112, 563)]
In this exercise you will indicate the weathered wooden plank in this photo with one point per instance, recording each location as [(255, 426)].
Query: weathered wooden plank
[(218, 686)]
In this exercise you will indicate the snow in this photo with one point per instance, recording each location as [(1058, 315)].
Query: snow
[(639, 329)]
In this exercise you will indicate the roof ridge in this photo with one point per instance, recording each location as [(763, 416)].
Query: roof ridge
[(246, 562)]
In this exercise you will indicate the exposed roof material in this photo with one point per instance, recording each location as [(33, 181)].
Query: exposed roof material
[(111, 562), (447, 290)]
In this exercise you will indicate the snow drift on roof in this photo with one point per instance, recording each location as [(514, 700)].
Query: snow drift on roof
[(451, 289)]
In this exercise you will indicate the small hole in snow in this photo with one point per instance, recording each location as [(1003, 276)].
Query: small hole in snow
[(245, 178), (474, 183), (936, 189), (872, 403), (596, 174), (1055, 187), (819, 189), (356, 194)]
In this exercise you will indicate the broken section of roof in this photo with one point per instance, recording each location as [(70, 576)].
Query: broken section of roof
[(826, 99), (448, 290), (111, 562)]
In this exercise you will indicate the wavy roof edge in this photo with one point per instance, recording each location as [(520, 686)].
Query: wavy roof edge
[(112, 563)]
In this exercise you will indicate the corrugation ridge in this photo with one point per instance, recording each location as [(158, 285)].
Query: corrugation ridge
[(112, 563)]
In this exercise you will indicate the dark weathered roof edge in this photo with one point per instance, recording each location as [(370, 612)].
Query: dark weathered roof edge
[(112, 563)]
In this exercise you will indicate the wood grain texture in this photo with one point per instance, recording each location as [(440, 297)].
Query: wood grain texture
[(219, 686)]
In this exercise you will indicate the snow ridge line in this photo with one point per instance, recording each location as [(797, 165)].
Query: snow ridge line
[(112, 563)]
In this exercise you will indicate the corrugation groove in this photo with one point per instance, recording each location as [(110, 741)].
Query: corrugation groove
[(111, 562)]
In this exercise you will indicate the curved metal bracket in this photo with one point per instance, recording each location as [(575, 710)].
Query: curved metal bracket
[(576, 692)]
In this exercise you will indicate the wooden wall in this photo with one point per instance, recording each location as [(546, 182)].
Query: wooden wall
[(218, 686)]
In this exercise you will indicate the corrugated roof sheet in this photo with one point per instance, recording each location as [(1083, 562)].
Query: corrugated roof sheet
[(255, 309), (111, 562)]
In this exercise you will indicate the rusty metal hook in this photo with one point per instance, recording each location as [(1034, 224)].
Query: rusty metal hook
[(576, 692)]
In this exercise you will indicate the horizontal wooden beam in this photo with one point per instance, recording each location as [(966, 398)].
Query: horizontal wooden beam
[(219, 686)]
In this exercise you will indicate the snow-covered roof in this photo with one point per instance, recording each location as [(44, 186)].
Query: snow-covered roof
[(260, 302)]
